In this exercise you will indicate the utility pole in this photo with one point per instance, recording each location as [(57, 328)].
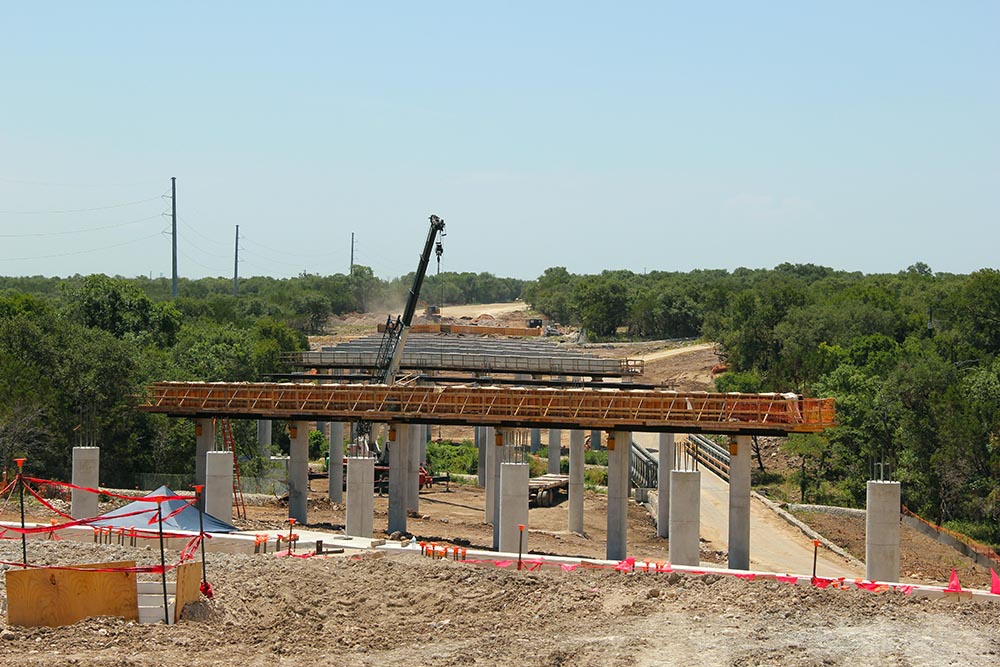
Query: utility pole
[(173, 232), (236, 264), (352, 254)]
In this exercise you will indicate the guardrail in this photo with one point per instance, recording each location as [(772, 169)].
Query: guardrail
[(709, 454), (643, 467)]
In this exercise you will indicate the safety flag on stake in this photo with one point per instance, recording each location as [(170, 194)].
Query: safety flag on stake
[(954, 586), (994, 582)]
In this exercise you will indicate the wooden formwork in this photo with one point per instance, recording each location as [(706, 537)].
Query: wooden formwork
[(606, 409)]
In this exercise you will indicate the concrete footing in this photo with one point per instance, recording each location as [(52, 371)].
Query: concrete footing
[(360, 520), (513, 505), (86, 472), (882, 531), (336, 467), (665, 464), (618, 482), (399, 464), (739, 503), (685, 516), (576, 468), (298, 471), (219, 485)]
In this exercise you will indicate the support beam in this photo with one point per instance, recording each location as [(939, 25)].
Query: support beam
[(739, 503), (882, 531), (219, 485), (86, 473), (298, 471), (204, 442), (399, 464), (336, 468), (555, 450), (576, 468), (618, 478), (513, 505), (417, 442), (685, 517), (665, 463), (360, 520)]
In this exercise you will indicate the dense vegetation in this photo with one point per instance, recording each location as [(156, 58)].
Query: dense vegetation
[(913, 359)]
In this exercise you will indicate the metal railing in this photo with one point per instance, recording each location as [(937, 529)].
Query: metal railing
[(643, 467), (713, 456)]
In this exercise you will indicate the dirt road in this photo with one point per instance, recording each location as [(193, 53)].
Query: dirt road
[(493, 309)]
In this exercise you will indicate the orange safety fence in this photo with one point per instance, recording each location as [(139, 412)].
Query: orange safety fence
[(974, 546)]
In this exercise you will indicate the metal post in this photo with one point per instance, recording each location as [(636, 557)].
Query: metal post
[(163, 564), (173, 233), (236, 264), (198, 488), (24, 535), (520, 543)]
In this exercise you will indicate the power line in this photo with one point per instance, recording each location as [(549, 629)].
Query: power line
[(81, 252), (77, 185), (83, 210), (82, 230)]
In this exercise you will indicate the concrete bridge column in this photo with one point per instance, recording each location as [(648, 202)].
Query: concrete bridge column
[(417, 443), (360, 520), (618, 483), (336, 462), (399, 464), (204, 439), (86, 473), (298, 471), (576, 467), (264, 438), (492, 472), (685, 516), (481, 451), (595, 441), (219, 485), (536, 440), (739, 503), (882, 531), (555, 450), (513, 505), (665, 463)]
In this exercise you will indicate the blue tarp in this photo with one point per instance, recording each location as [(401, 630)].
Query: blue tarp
[(186, 519)]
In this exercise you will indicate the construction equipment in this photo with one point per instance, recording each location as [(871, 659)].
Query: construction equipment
[(390, 352)]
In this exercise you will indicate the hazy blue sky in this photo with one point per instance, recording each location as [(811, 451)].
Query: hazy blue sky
[(662, 135)]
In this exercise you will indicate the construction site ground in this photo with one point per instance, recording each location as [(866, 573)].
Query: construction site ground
[(374, 609)]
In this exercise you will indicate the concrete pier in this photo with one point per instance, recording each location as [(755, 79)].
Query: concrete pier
[(298, 471), (536, 440), (576, 468), (739, 503), (86, 472), (665, 463), (492, 474), (360, 520), (481, 451), (204, 439), (685, 516), (336, 462), (882, 531), (595, 441), (618, 483), (555, 450), (399, 464), (417, 443), (513, 505), (264, 438), (219, 485)]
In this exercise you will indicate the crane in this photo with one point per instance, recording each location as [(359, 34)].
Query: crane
[(390, 352)]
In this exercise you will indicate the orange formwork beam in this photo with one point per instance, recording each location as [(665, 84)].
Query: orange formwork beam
[(606, 409)]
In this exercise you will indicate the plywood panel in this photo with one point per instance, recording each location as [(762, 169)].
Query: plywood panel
[(188, 587), (53, 597)]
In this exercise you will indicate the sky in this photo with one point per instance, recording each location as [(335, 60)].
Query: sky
[(663, 136)]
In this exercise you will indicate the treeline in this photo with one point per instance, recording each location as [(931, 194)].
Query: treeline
[(911, 357), (304, 302)]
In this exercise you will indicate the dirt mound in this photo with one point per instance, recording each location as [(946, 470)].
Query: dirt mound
[(417, 611)]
